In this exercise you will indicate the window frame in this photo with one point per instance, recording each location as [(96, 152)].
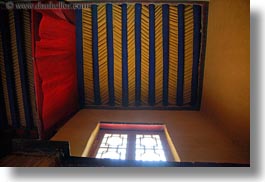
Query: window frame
[(132, 130)]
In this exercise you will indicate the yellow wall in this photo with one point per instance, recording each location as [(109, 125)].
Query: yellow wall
[(226, 88), (195, 137), (198, 135)]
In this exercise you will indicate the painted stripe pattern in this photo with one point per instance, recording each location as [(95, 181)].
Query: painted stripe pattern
[(165, 25), (181, 53), (102, 54), (131, 53), (137, 24), (144, 55), (22, 68), (188, 23), (87, 55), (5, 115), (158, 55), (152, 65), (29, 63), (110, 53), (17, 70), (196, 52), (4, 84), (79, 58), (117, 39), (173, 55)]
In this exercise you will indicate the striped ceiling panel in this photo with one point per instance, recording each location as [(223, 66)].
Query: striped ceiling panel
[(141, 55), (17, 97)]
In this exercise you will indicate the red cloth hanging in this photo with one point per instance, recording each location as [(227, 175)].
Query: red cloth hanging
[(55, 67)]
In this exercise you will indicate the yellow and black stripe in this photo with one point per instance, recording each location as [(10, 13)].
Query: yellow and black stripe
[(17, 71), (131, 54), (188, 44), (87, 55), (145, 54)]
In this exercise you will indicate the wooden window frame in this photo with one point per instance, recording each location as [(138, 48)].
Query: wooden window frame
[(131, 130)]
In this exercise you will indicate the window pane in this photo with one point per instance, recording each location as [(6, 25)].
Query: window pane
[(114, 140), (113, 146), (110, 153), (149, 148)]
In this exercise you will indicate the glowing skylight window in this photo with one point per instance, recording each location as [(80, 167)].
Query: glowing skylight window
[(139, 142), (113, 146), (149, 148)]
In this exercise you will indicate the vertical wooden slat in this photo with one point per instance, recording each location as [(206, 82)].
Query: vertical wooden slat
[(13, 69), (151, 85), (4, 84), (188, 58), (131, 53), (102, 54), (29, 64), (181, 54), (109, 24), (96, 81), (165, 9), (144, 54), (117, 53), (196, 52), (158, 55), (124, 56), (138, 53), (3, 110), (22, 68), (79, 56), (87, 56), (173, 55)]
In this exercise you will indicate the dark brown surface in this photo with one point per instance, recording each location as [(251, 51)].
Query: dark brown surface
[(32, 153), (29, 160)]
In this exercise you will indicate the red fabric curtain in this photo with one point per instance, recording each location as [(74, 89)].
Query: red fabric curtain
[(55, 68)]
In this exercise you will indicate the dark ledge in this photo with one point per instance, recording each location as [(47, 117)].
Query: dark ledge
[(92, 162), (61, 150)]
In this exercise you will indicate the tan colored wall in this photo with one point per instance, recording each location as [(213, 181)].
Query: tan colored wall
[(204, 135), (226, 88), (195, 138)]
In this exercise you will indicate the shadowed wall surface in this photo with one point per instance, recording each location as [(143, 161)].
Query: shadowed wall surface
[(226, 89), (195, 137)]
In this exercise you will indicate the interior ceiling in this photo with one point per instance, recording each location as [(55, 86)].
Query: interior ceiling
[(144, 55), (17, 97), (133, 56)]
